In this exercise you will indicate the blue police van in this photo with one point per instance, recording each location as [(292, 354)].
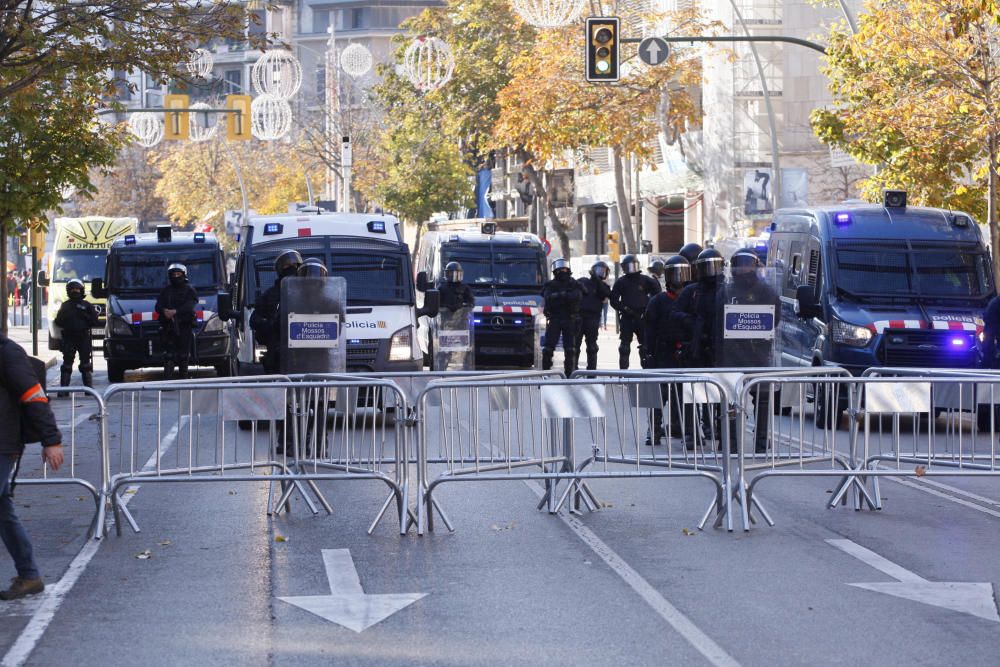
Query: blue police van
[(866, 285)]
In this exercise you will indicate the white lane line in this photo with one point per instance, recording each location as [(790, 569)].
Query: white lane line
[(54, 595), (704, 644), (965, 503), (872, 559)]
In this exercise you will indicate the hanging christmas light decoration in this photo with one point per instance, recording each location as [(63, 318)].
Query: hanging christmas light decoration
[(203, 125), (548, 13), (200, 63), (428, 63), (277, 73), (356, 60), (146, 127), (270, 117)]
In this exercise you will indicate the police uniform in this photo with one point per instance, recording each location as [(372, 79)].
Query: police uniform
[(629, 297), (563, 296), (177, 333), (596, 291), (991, 330), (455, 296), (265, 322), (76, 318)]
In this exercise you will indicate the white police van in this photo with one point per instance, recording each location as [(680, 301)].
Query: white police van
[(368, 251)]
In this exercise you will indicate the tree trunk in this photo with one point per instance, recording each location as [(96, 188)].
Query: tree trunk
[(624, 212), (555, 224), (4, 297), (418, 237), (991, 204)]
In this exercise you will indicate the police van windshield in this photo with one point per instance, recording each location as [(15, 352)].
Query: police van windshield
[(373, 278), (946, 271), (487, 265), (83, 265), (147, 271)]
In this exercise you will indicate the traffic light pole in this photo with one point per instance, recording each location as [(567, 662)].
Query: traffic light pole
[(34, 301)]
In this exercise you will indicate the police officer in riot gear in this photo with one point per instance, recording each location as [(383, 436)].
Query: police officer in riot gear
[(656, 268), (455, 295), (312, 268), (694, 311), (663, 339), (266, 319), (176, 309), (629, 297), (991, 332), (596, 291), (76, 318), (563, 296), (690, 252)]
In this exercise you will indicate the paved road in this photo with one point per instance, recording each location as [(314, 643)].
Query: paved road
[(634, 583)]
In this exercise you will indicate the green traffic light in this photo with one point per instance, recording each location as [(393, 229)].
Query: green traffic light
[(603, 66)]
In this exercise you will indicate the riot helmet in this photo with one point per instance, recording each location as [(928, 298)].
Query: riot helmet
[(677, 272), (312, 268), (743, 265), (453, 272), (708, 267), (599, 271), (177, 274), (287, 263), (690, 252), (630, 264), (656, 267), (560, 268), (74, 289)]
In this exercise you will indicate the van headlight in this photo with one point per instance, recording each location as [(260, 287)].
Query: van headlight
[(850, 334), (119, 326), (213, 325), (401, 345)]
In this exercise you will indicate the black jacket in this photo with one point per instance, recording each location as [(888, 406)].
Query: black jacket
[(266, 318), (595, 292), (631, 294), (181, 298), (562, 298), (456, 295), (694, 316), (76, 317), (24, 407), (663, 334), (991, 331)]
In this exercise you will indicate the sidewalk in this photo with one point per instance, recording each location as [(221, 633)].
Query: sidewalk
[(22, 336)]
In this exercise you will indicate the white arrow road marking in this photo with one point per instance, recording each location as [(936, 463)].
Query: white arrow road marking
[(971, 598), (347, 604)]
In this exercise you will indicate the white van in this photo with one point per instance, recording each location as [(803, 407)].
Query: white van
[(366, 250)]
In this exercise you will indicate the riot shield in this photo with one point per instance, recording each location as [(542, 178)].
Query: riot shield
[(312, 320), (749, 310), (452, 335), (537, 333)]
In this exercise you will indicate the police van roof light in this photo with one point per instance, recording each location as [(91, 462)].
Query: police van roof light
[(272, 228), (199, 237), (376, 226), (130, 239), (843, 218)]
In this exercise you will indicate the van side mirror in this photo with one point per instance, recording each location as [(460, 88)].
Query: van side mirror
[(97, 289), (43, 278), (225, 306), (432, 304), (806, 305), (422, 283)]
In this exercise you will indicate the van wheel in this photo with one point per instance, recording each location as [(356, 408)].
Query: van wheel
[(226, 368), (116, 372), (984, 422)]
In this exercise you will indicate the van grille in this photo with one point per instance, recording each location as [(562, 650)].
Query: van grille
[(928, 348), (361, 354)]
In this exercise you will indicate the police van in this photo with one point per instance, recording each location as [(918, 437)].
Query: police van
[(366, 250), (864, 285), (136, 272), (506, 271)]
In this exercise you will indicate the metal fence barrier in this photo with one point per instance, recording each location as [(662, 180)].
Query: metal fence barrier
[(77, 410), (897, 423), (567, 431), (296, 433)]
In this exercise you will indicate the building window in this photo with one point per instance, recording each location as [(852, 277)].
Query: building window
[(321, 20), (234, 81)]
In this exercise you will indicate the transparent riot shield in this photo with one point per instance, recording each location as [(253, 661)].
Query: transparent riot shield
[(452, 335), (312, 320), (537, 334), (749, 310)]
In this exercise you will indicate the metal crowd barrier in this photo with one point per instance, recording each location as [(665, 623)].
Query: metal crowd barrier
[(900, 423), (84, 453), (307, 436), (566, 431)]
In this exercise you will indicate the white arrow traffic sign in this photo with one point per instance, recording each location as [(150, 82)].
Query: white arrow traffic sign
[(971, 598), (347, 604), (653, 50)]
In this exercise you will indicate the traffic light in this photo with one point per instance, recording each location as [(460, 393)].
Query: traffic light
[(176, 126), (238, 124), (24, 245), (614, 249), (36, 239), (602, 48)]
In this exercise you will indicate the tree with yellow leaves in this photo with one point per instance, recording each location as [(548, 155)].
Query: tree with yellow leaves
[(917, 91)]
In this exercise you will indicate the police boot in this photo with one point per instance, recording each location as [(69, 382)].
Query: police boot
[(64, 378), (547, 359), (88, 378), (183, 370), (168, 369), (591, 361)]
